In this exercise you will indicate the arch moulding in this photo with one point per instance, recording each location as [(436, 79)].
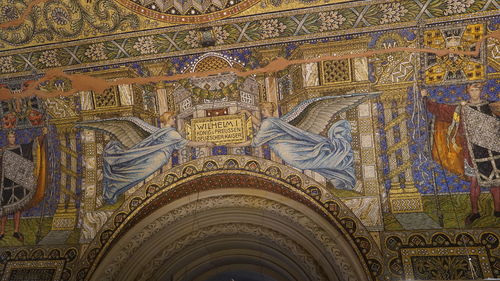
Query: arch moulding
[(230, 211)]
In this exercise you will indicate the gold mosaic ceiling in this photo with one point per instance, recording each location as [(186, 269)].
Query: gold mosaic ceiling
[(30, 23), (41, 35)]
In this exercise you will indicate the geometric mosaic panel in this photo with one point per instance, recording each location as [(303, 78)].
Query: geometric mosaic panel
[(41, 270), (453, 263), (335, 71), (443, 256)]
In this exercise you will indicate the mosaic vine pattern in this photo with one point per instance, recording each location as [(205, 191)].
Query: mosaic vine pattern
[(313, 22)]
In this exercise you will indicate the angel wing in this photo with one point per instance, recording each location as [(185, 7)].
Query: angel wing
[(314, 115), (127, 130)]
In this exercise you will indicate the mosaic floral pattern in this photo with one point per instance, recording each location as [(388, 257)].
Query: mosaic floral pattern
[(49, 59), (271, 28), (331, 20), (233, 34), (192, 39), (392, 12), (457, 6), (96, 52), (220, 35), (6, 64), (145, 45)]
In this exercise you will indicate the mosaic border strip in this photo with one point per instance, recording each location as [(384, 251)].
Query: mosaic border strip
[(303, 24)]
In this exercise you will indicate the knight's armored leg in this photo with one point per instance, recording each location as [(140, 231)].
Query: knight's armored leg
[(3, 221), (475, 191), (17, 219), (495, 194)]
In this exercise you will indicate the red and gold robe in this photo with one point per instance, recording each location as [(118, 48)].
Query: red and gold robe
[(449, 146)]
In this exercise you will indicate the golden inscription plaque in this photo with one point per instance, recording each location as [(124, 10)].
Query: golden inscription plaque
[(220, 129)]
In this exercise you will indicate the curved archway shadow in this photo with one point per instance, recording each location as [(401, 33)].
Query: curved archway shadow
[(240, 275)]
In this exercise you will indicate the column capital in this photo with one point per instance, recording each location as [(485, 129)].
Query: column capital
[(394, 92), (65, 125)]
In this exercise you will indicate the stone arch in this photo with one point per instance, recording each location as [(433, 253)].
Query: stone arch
[(231, 218)]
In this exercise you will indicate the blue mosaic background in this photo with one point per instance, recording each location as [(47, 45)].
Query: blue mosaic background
[(425, 169)]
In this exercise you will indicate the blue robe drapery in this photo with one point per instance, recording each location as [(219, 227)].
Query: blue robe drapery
[(124, 168), (331, 157)]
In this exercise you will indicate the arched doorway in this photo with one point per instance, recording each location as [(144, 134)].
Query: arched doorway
[(242, 219)]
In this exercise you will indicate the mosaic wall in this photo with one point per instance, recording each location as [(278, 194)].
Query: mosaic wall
[(391, 107)]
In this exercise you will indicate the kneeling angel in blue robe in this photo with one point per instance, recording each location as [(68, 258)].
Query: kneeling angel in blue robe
[(139, 150), (296, 137)]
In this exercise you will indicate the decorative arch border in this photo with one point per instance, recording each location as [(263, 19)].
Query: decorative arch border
[(167, 187)]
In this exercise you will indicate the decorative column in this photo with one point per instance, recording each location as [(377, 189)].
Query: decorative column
[(164, 97), (165, 102), (403, 195), (367, 148), (269, 90), (126, 94), (64, 116), (89, 179), (66, 212)]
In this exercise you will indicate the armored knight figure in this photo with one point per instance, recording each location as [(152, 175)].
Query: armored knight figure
[(466, 142), (23, 179)]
